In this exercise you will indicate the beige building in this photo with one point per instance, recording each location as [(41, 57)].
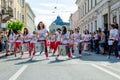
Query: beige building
[(115, 12), (29, 18), (94, 14), (6, 12), (12, 10), (18, 10), (74, 18)]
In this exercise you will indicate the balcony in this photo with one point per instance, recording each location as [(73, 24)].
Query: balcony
[(7, 14), (6, 10)]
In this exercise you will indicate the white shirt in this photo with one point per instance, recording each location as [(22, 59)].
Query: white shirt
[(87, 37), (58, 36), (113, 34), (65, 38), (42, 34), (12, 38), (52, 38), (26, 38), (19, 38), (96, 37), (76, 37), (34, 39)]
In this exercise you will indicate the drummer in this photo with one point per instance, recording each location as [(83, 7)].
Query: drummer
[(65, 41)]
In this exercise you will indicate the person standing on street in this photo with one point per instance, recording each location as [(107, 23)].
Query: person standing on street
[(33, 43), (42, 35), (57, 39), (26, 40), (52, 42), (87, 39), (18, 43), (113, 40), (77, 41), (11, 39), (65, 42)]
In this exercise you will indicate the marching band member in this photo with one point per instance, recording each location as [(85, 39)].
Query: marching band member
[(18, 43), (77, 41), (11, 39), (42, 42), (58, 36), (71, 41), (86, 39), (33, 42), (65, 41), (26, 40), (52, 41)]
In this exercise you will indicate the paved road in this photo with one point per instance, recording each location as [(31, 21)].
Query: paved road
[(94, 67)]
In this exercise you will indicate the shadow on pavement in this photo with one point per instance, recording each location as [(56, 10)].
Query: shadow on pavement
[(29, 61), (98, 57), (16, 59), (57, 61)]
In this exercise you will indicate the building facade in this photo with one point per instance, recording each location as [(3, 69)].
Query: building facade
[(29, 18), (94, 14), (74, 18), (6, 12), (18, 7), (58, 23), (11, 10), (115, 12)]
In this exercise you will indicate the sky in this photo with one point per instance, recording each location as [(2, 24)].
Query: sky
[(48, 10)]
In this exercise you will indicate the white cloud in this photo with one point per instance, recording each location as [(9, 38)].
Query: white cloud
[(42, 11), (52, 5)]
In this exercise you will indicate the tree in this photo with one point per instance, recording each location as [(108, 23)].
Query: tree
[(15, 26)]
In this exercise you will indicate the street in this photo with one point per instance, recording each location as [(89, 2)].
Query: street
[(93, 67)]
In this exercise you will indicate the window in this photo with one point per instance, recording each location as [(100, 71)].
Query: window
[(88, 27), (88, 5), (23, 2), (91, 27), (85, 8), (22, 18), (15, 12), (18, 15), (95, 24), (91, 4), (95, 2)]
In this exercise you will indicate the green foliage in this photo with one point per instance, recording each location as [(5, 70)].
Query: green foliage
[(15, 25)]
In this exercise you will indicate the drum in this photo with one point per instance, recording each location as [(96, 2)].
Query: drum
[(62, 50)]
